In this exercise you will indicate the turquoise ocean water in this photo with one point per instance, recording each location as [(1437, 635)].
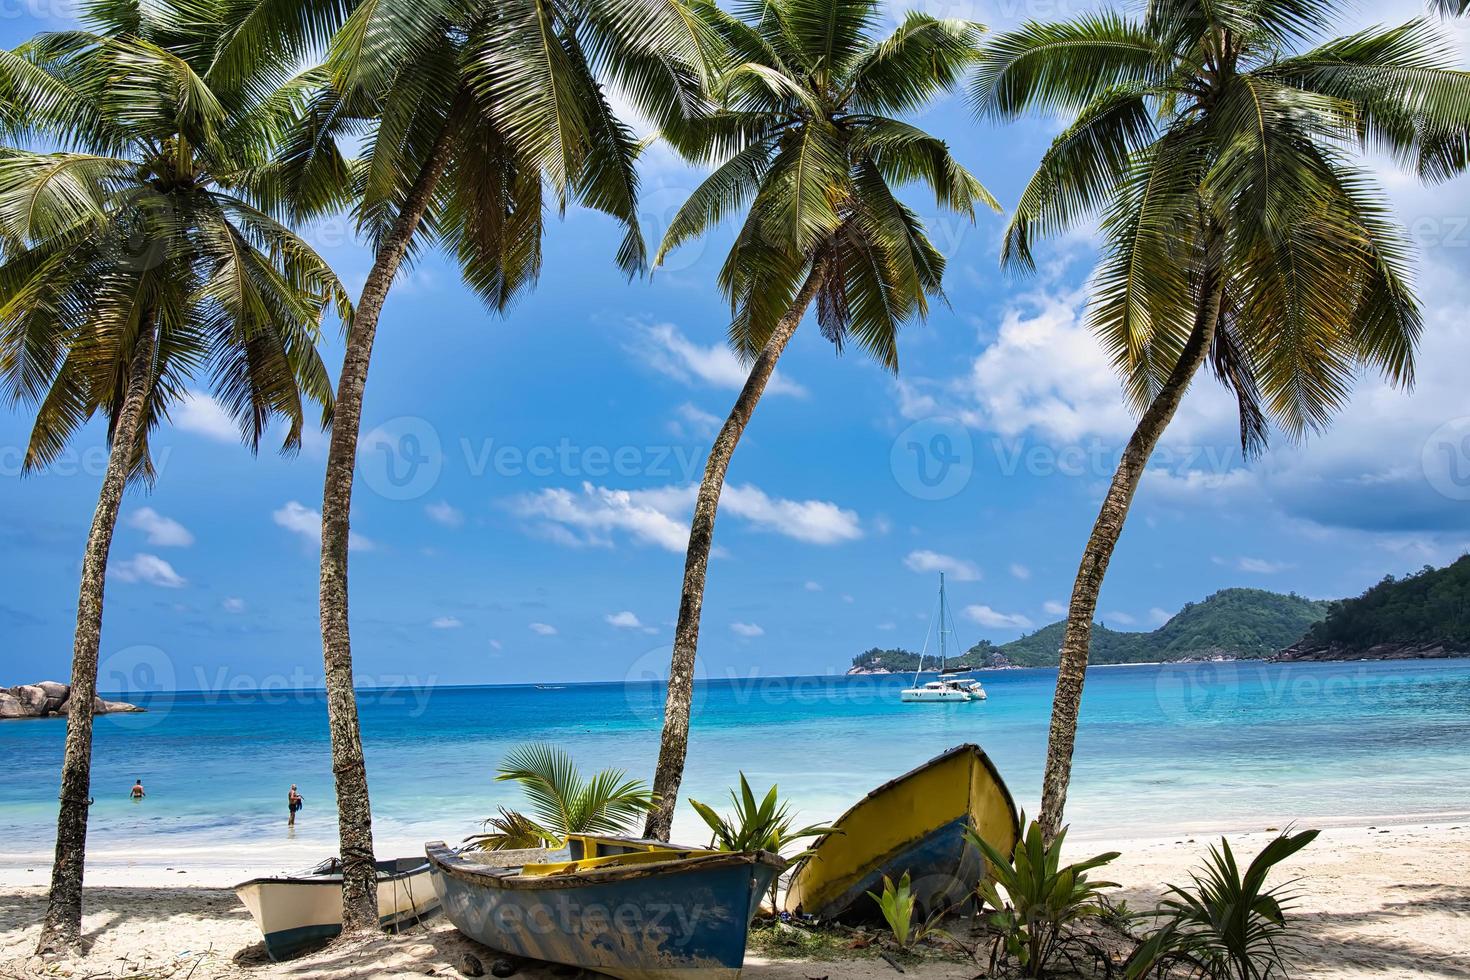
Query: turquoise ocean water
[(1162, 749)]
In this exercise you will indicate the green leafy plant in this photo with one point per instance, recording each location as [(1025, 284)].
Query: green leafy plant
[(560, 802), (1228, 926), (764, 826), (1042, 898), (897, 905)]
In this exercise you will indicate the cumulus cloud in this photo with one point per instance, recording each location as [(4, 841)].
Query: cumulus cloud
[(148, 570), (445, 513), (306, 522), (813, 586), (692, 421), (542, 629), (660, 515), (1119, 617), (164, 532), (663, 347), (1254, 566), (1052, 607), (932, 561), (445, 623), (1159, 616), (1020, 571), (200, 414), (994, 619), (233, 604), (749, 630), (627, 620)]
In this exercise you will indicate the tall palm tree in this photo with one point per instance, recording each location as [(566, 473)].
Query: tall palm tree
[(811, 152), (1237, 226), (131, 262), (473, 111)]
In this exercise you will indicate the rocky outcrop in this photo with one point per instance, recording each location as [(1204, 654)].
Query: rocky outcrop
[(1308, 651), (50, 699)]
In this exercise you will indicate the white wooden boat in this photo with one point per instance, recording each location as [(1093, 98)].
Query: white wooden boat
[(298, 912)]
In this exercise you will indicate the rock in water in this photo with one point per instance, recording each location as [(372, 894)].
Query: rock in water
[(10, 706), (31, 697), (51, 699), (470, 965)]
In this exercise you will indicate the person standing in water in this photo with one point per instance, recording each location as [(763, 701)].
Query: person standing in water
[(137, 791), (293, 803)]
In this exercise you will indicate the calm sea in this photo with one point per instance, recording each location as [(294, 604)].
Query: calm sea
[(1162, 749)]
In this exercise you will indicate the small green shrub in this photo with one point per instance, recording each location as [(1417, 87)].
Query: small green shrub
[(1042, 898), (897, 905), (1228, 926)]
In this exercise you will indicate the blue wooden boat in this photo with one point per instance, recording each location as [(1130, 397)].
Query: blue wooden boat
[(632, 909)]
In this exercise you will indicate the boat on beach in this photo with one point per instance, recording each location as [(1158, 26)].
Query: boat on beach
[(632, 909), (298, 912), (914, 824), (946, 688)]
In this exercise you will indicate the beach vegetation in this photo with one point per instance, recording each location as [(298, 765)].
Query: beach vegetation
[(1035, 901), (474, 120), (139, 257), (809, 145), (560, 801), (1221, 145), (1429, 608), (767, 825), (1226, 925), (897, 904)]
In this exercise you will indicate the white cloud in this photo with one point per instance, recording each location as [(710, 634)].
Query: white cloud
[(149, 570), (813, 586), (445, 513), (197, 412), (932, 561), (233, 604), (1119, 617), (542, 629), (626, 620), (746, 629), (496, 645), (691, 420), (660, 515), (306, 522), (165, 532), (445, 623), (994, 619), (1254, 566), (1159, 616), (663, 347), (1020, 571), (1054, 608), (887, 626)]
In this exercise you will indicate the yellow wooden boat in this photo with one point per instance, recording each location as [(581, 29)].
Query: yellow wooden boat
[(915, 824)]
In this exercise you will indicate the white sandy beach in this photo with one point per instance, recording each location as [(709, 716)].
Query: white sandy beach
[(1386, 901)]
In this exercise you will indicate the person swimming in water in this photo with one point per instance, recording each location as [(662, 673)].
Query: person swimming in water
[(137, 790), (293, 803)]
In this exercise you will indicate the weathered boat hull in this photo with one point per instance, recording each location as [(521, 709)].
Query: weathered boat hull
[(296, 913), (914, 824), (675, 919)]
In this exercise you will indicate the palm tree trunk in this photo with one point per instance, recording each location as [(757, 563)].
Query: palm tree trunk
[(354, 810), (63, 924), (674, 743), (1072, 670)]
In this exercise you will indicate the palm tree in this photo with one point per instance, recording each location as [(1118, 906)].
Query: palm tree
[(811, 151), (130, 262), (1237, 227), (561, 801), (474, 111)]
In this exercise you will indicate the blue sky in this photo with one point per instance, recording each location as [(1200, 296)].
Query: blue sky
[(540, 534)]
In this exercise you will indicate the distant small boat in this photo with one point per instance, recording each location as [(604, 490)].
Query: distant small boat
[(632, 909), (298, 912), (914, 824), (551, 687), (945, 688)]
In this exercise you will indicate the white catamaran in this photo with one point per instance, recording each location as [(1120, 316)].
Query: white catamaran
[(945, 688)]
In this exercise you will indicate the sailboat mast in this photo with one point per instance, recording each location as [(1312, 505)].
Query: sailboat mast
[(941, 624)]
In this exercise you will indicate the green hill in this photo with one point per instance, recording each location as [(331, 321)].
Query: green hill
[(1230, 623), (1422, 615)]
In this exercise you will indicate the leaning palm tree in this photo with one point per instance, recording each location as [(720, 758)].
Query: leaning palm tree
[(130, 262), (1238, 229), (472, 113), (811, 152)]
